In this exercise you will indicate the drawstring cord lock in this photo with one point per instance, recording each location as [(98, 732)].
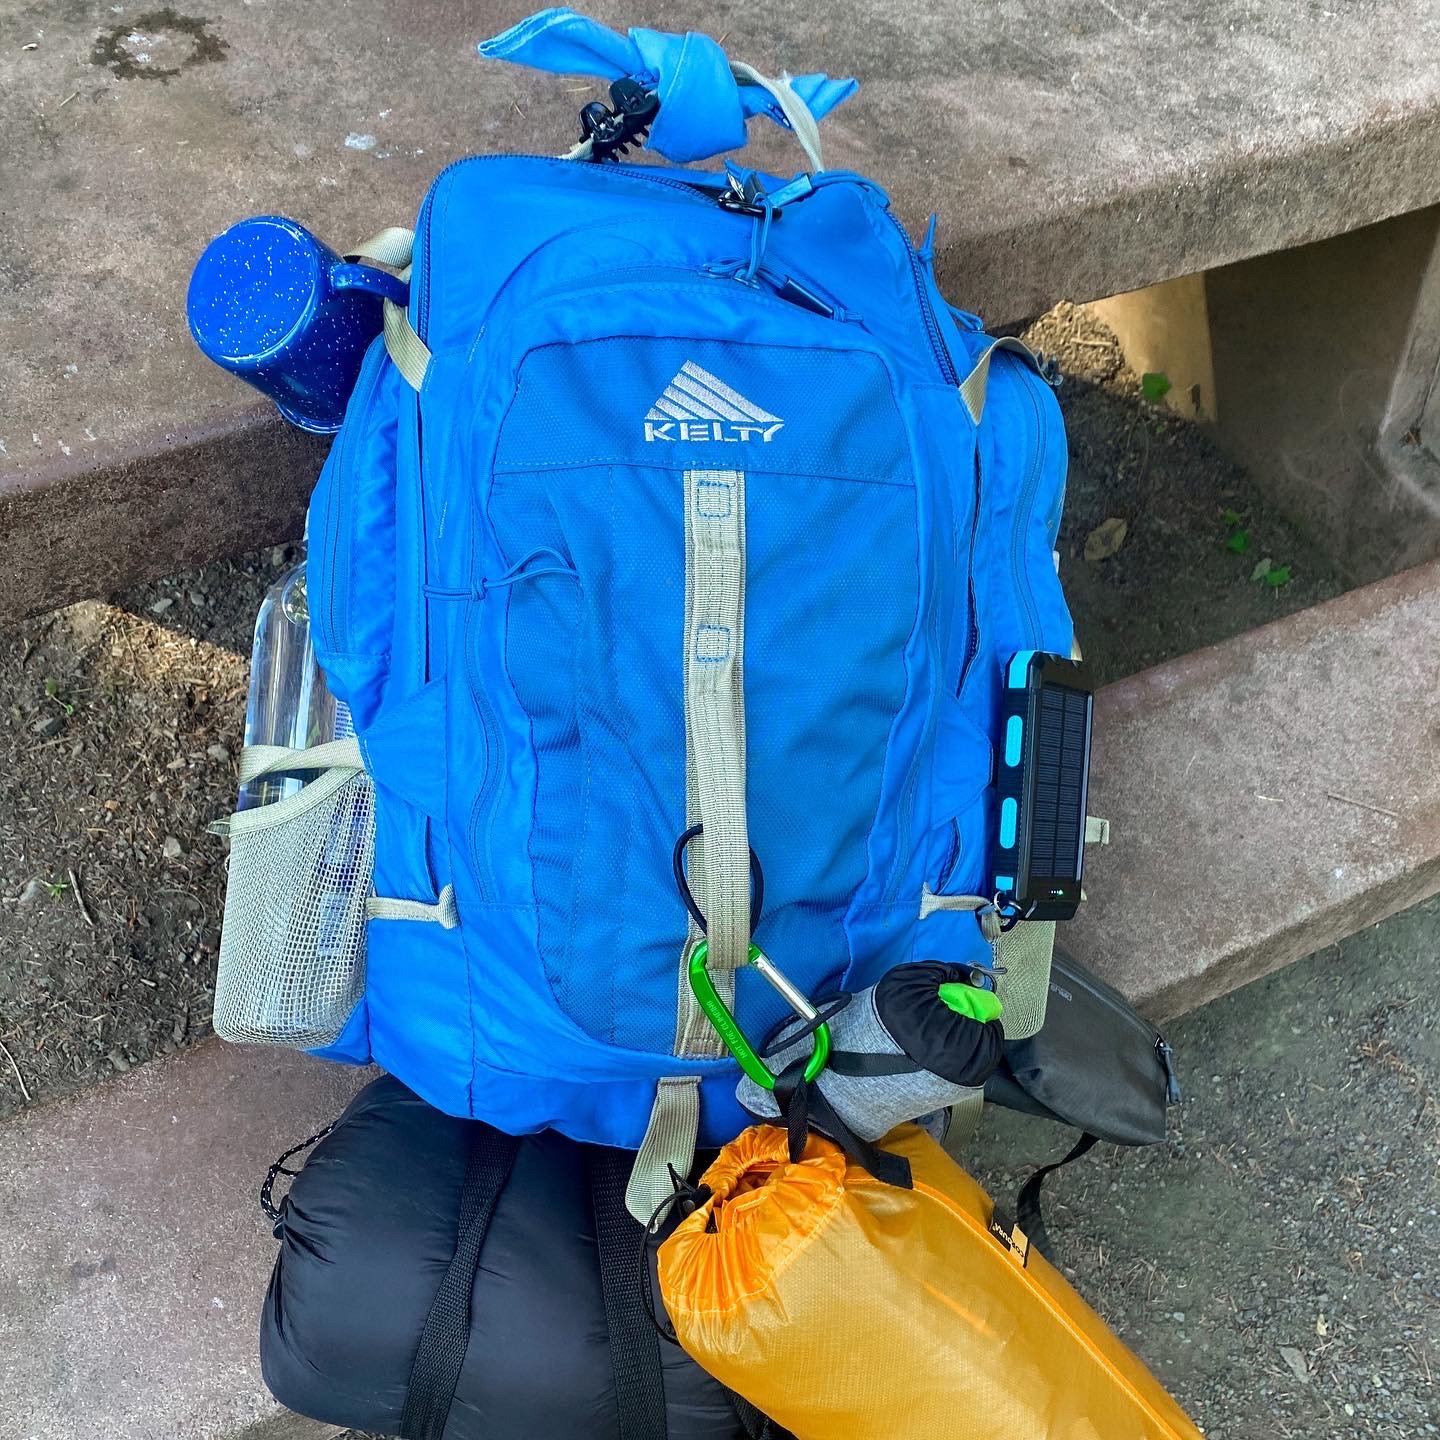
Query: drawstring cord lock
[(610, 130)]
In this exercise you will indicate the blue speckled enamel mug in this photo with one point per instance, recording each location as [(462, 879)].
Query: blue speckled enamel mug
[(273, 305)]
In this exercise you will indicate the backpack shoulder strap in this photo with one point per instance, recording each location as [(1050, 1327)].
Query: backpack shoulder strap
[(446, 1334)]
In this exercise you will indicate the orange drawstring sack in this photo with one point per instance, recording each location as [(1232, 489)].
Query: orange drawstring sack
[(845, 1309)]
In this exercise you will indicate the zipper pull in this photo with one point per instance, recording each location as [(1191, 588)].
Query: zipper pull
[(745, 194), (793, 291), (783, 287), (1172, 1080)]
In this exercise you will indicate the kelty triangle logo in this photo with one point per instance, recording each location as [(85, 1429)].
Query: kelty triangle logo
[(696, 406)]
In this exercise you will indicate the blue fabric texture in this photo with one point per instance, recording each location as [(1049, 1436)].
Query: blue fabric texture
[(703, 109), (498, 584)]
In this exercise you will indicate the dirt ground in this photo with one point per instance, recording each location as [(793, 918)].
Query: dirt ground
[(1277, 1264), (120, 730)]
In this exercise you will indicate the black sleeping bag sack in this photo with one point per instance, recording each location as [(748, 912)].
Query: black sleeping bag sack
[(368, 1278)]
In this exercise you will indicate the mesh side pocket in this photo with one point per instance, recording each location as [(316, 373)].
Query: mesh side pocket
[(1024, 988), (292, 949)]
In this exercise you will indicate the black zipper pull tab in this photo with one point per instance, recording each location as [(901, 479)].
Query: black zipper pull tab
[(1172, 1080), (788, 288), (745, 194)]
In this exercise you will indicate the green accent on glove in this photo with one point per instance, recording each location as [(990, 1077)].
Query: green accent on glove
[(977, 1004)]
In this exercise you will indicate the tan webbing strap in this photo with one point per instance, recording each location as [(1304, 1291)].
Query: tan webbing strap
[(718, 858), (715, 739), (257, 760), (409, 352), (443, 911), (973, 386), (933, 904), (394, 247), (669, 1141), (391, 246), (964, 1121), (797, 114)]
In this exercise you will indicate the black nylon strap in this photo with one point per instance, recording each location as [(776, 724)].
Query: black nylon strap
[(446, 1335), (865, 1064), (788, 1033), (756, 1424), (1027, 1204), (802, 1102), (634, 1341)]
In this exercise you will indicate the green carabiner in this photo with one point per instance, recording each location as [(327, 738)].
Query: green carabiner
[(718, 1014)]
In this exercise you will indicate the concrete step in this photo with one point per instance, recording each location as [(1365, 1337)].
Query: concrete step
[(1075, 150), (1268, 797), (133, 1254)]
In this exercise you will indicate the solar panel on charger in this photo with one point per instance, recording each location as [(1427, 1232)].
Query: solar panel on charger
[(1042, 778)]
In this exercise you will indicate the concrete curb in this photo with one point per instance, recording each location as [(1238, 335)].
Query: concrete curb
[(1270, 796), (133, 1253)]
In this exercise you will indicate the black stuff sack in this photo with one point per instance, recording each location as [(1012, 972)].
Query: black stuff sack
[(442, 1281), (1096, 1064)]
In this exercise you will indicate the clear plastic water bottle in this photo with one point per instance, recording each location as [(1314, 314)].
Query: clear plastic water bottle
[(289, 703), (320, 880)]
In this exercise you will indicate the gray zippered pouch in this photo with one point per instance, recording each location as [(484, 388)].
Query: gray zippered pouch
[(1096, 1063)]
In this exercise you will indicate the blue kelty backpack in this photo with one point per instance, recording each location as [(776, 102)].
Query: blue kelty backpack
[(678, 527)]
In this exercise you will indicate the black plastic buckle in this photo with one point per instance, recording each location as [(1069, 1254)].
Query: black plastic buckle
[(612, 129)]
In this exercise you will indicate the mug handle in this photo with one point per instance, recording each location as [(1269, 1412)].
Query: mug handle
[(348, 275)]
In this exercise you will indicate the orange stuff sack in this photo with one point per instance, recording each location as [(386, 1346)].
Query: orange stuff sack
[(845, 1309)]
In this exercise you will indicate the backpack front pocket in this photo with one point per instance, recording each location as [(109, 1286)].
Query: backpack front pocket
[(598, 508)]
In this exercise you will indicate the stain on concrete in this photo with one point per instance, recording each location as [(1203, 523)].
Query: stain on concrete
[(82, 1270), (137, 49)]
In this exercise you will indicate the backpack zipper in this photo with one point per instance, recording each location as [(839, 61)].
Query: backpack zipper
[(706, 194), (943, 362), (422, 223), (337, 614), (1023, 509), (972, 641)]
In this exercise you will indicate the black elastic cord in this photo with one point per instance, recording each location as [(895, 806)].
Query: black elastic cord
[(1027, 1204), (682, 881), (273, 1211), (634, 1333), (782, 1037), (446, 1333), (688, 1198)]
